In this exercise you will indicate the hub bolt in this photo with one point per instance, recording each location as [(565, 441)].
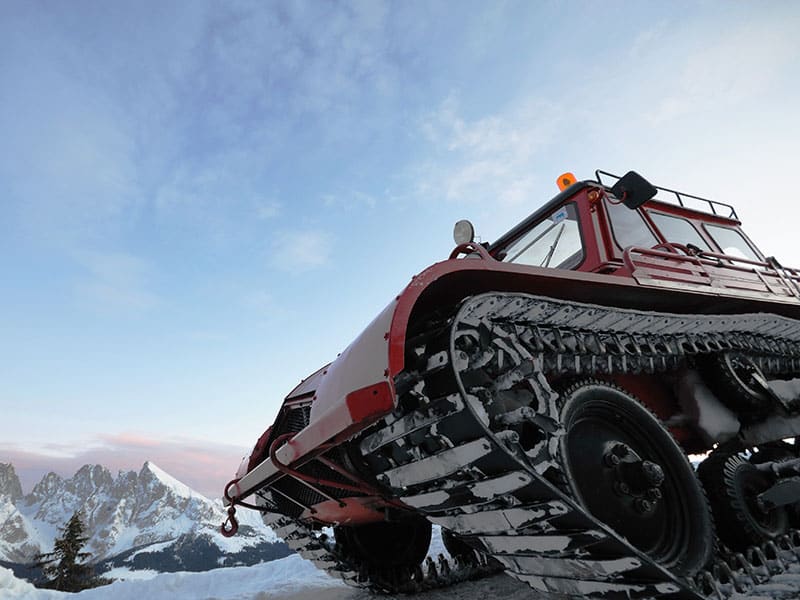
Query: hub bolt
[(653, 473), (622, 488), (620, 450), (615, 455), (654, 494), (643, 506)]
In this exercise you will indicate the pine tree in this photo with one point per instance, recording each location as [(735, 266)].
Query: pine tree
[(64, 567)]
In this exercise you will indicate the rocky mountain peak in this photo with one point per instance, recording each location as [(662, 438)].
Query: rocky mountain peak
[(152, 475), (50, 485), (9, 482), (89, 480)]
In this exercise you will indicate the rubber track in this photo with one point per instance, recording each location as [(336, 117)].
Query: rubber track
[(451, 451)]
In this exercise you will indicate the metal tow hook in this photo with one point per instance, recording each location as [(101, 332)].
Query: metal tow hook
[(234, 524), (226, 529)]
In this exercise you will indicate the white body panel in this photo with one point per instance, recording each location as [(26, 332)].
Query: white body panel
[(363, 363)]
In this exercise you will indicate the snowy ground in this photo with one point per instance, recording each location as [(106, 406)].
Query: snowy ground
[(293, 578), (290, 578)]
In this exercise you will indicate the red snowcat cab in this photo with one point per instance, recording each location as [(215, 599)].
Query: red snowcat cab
[(538, 397)]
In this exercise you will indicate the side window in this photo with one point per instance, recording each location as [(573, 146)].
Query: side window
[(731, 242), (678, 230), (628, 226), (553, 242)]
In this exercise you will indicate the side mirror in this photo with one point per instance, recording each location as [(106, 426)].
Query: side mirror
[(633, 189), (463, 232)]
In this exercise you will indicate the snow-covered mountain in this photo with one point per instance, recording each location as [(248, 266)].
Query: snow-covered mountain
[(147, 518)]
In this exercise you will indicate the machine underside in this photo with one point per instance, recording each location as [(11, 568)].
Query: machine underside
[(525, 429)]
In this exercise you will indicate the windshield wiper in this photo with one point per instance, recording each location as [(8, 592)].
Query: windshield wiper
[(546, 261), (531, 243)]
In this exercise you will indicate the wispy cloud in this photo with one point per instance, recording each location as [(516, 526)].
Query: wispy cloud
[(219, 198), (301, 250), (116, 281), (196, 127), (316, 72), (203, 465), (267, 209), (353, 200), (731, 68), (68, 159), (489, 159), (259, 300), (666, 85)]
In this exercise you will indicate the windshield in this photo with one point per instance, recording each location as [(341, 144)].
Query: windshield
[(553, 242), (629, 227), (678, 230), (731, 242)]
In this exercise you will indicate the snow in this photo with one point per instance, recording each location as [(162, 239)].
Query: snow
[(715, 421), (283, 578), (158, 547), (437, 545), (234, 544), (180, 488), (293, 578), (11, 587), (125, 573), (787, 390), (290, 577)]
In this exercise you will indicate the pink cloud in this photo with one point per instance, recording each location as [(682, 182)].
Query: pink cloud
[(130, 440), (202, 465)]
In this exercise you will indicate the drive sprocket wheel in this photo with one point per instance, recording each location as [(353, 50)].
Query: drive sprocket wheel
[(625, 468), (387, 552), (733, 483), (737, 382)]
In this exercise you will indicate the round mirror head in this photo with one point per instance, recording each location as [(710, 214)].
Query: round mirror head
[(463, 232)]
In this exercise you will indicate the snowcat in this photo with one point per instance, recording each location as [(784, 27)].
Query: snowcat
[(539, 399)]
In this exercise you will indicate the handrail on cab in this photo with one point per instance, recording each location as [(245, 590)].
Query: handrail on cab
[(470, 248), (764, 271), (669, 251)]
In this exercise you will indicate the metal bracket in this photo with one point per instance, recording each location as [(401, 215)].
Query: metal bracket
[(783, 493)]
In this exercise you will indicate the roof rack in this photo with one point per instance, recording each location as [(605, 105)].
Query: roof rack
[(716, 208)]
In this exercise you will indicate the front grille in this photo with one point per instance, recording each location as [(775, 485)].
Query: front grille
[(297, 419), (304, 494)]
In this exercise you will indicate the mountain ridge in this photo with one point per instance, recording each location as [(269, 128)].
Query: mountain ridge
[(151, 511)]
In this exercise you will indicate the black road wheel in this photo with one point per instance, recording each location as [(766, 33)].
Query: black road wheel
[(627, 470), (387, 552), (736, 381), (733, 483)]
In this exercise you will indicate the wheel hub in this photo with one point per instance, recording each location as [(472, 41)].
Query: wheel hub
[(634, 477)]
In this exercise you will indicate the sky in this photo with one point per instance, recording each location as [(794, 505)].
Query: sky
[(203, 202)]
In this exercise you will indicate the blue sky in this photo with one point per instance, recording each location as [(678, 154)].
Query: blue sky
[(201, 203)]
